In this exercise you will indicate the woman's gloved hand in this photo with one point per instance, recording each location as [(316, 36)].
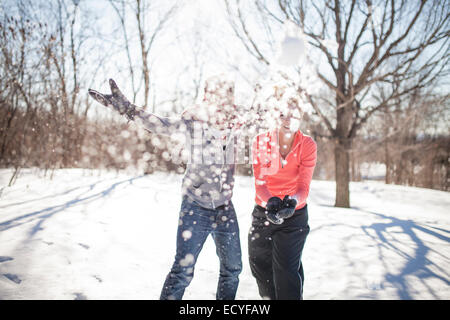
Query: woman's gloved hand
[(287, 207), (272, 207)]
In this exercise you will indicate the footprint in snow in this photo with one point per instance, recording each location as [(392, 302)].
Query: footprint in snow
[(79, 296), (83, 245), (4, 258), (13, 277)]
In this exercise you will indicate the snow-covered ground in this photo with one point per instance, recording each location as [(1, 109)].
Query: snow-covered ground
[(106, 235)]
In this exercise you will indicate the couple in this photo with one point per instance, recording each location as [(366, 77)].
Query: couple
[(283, 165)]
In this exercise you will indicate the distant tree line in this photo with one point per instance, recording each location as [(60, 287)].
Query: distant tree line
[(46, 116)]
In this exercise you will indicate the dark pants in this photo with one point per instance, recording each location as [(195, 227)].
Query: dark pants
[(275, 253), (195, 224)]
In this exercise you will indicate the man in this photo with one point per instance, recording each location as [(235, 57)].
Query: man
[(207, 185)]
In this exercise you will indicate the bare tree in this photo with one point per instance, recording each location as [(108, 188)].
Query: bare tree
[(400, 45), (414, 151), (43, 70), (18, 98), (146, 33)]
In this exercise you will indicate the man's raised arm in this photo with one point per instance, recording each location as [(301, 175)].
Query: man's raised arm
[(149, 121)]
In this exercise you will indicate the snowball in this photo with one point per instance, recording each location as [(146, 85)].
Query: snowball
[(146, 156), (125, 134), (292, 50), (111, 150), (126, 155), (188, 260), (187, 234), (294, 125), (293, 47)]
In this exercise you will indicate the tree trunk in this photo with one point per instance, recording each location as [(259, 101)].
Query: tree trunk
[(342, 163), (140, 12), (343, 142), (387, 162)]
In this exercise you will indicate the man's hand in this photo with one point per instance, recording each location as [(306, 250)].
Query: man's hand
[(190, 113), (272, 207), (287, 207), (116, 100)]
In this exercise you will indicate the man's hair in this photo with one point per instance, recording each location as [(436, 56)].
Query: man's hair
[(220, 83)]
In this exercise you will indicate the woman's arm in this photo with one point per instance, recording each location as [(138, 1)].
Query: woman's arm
[(262, 192), (305, 172)]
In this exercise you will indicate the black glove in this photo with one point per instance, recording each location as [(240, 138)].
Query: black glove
[(272, 207), (116, 100), (287, 207)]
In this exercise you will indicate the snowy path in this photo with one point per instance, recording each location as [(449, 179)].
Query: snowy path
[(85, 235)]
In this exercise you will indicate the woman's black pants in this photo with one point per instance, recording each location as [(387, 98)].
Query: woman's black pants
[(275, 253)]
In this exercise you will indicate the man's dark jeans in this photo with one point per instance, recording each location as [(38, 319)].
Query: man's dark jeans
[(195, 224), (275, 253)]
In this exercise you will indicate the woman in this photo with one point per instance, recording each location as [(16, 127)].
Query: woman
[(283, 165)]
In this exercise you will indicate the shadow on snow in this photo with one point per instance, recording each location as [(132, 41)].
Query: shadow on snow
[(418, 264), (47, 213)]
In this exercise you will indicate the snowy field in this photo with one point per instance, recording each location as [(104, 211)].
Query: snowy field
[(106, 235)]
